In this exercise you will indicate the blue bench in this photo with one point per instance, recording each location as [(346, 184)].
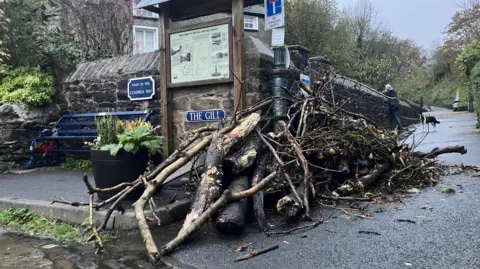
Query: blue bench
[(46, 148)]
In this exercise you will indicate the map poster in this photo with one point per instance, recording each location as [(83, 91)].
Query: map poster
[(200, 55)]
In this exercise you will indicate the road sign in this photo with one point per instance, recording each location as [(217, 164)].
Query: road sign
[(305, 79), (274, 14), (206, 115), (141, 88), (278, 37)]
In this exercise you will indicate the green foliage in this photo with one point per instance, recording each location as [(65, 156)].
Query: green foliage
[(357, 46), (135, 135), (33, 42), (4, 56), (60, 53), (27, 86), (76, 164), (106, 131), (469, 57), (475, 86), (32, 224)]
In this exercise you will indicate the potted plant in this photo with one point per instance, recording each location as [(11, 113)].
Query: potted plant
[(121, 153)]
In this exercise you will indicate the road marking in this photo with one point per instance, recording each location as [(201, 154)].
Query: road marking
[(466, 131)]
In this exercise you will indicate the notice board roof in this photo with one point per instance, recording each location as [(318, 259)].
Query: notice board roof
[(189, 9)]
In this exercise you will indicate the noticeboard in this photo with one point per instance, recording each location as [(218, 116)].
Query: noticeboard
[(200, 55)]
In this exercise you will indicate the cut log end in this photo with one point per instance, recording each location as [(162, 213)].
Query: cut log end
[(289, 208), (231, 220)]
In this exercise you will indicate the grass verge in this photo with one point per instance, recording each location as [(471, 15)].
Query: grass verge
[(21, 220)]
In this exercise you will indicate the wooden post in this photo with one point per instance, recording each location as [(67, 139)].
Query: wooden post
[(166, 95), (239, 91)]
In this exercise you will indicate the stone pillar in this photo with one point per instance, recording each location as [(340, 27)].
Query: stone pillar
[(299, 57)]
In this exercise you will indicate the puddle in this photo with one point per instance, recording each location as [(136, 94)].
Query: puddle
[(125, 251)]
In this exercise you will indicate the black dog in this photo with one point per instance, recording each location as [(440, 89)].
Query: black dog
[(429, 120)]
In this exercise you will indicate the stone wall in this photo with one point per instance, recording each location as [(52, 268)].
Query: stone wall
[(364, 100), (102, 85), (18, 127), (361, 99)]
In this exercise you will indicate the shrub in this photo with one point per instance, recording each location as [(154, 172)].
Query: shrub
[(137, 134), (27, 86), (475, 86), (106, 133)]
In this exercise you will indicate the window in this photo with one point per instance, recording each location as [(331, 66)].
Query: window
[(145, 39), (142, 12), (250, 22)]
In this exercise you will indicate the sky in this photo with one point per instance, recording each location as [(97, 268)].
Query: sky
[(420, 20)]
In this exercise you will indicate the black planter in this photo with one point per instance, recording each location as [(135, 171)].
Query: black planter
[(109, 171)]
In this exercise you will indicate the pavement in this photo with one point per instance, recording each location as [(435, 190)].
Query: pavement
[(35, 190)]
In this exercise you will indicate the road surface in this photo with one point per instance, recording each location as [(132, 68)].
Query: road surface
[(445, 233)]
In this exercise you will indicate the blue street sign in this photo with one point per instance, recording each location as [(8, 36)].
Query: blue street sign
[(274, 7), (206, 115), (274, 14), (141, 88)]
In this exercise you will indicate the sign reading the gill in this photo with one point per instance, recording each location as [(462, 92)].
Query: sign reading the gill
[(141, 88), (206, 115)]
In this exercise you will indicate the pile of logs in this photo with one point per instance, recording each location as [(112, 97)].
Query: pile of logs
[(319, 151)]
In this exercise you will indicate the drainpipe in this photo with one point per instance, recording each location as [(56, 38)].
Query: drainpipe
[(280, 84)]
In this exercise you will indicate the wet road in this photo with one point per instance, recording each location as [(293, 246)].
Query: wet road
[(444, 235), (455, 128)]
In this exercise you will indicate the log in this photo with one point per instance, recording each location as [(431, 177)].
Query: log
[(221, 202), (439, 151), (153, 252), (209, 188), (258, 205), (378, 171), (231, 219), (245, 157), (208, 191), (288, 207)]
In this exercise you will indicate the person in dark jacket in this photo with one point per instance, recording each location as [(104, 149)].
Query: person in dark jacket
[(394, 104)]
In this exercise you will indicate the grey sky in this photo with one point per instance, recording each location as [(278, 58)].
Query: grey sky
[(419, 20)]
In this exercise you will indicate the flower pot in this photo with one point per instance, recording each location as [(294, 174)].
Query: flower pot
[(109, 171)]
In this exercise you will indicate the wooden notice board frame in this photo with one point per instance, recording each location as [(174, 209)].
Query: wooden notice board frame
[(229, 79), (236, 48)]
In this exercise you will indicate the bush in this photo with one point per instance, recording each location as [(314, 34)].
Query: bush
[(27, 86), (475, 86)]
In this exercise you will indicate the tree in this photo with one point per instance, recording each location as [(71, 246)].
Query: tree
[(3, 47), (465, 24), (311, 23), (102, 27), (56, 35), (356, 43), (469, 57)]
